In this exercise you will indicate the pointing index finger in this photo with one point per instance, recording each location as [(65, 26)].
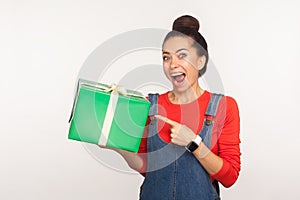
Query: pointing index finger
[(168, 121)]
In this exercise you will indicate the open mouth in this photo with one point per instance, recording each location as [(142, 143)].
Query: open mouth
[(178, 77)]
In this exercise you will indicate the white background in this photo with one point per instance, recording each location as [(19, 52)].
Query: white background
[(254, 44)]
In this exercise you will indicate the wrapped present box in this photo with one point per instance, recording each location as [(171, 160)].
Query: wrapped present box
[(111, 116)]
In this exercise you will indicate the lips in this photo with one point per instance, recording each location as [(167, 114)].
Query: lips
[(178, 77)]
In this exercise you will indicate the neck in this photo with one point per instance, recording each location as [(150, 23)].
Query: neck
[(187, 96)]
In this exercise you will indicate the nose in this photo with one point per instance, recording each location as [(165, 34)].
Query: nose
[(174, 62)]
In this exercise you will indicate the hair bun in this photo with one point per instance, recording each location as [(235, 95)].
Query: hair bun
[(186, 22)]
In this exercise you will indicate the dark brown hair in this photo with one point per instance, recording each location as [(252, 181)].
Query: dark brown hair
[(188, 26)]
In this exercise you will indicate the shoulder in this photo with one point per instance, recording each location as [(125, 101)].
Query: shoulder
[(228, 109), (161, 97), (227, 102), (231, 103), (229, 106)]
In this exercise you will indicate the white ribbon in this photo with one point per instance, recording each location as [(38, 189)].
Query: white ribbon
[(109, 116)]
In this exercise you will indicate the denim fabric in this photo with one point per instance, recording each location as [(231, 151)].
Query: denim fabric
[(172, 172)]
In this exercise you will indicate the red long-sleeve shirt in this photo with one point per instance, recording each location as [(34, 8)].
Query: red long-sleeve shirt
[(225, 138)]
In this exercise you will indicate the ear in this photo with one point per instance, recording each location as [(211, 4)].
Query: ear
[(201, 61)]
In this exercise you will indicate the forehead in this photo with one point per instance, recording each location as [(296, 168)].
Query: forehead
[(177, 42)]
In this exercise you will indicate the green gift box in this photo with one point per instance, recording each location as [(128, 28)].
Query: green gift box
[(111, 116)]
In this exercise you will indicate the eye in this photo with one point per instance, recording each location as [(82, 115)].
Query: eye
[(182, 55), (166, 58)]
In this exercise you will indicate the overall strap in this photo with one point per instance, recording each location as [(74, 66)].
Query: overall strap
[(213, 104), (212, 108), (210, 113), (153, 98)]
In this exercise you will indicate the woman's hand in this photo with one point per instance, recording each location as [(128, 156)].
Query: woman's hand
[(133, 160), (180, 134), (120, 151)]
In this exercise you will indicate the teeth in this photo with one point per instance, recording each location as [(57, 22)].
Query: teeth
[(176, 74)]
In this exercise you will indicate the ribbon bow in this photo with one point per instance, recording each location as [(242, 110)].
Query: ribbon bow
[(116, 89)]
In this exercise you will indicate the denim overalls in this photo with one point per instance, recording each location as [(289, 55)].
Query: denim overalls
[(172, 171)]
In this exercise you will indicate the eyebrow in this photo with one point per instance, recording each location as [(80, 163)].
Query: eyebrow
[(166, 52)]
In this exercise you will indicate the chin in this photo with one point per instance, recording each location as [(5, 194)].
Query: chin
[(182, 88)]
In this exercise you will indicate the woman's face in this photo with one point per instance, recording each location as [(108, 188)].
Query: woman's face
[(181, 62)]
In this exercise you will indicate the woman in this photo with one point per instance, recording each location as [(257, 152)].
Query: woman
[(192, 141)]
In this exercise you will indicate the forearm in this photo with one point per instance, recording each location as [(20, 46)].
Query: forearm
[(211, 162), (134, 160)]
